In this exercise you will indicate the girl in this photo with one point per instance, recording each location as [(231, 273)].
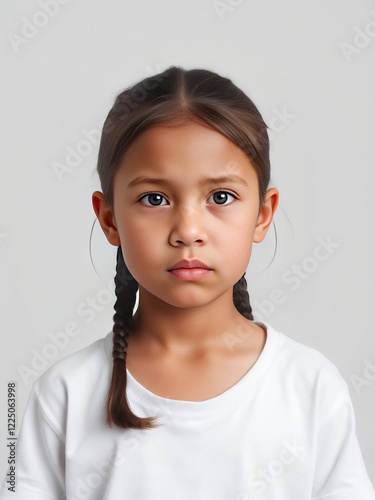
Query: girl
[(189, 397)]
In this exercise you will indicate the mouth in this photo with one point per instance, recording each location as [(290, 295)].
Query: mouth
[(190, 270), (191, 274), (190, 264)]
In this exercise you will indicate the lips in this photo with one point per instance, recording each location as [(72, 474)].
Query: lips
[(189, 264)]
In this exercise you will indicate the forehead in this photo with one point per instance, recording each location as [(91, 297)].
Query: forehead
[(191, 150)]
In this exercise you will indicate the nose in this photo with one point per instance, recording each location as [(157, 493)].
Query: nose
[(188, 227)]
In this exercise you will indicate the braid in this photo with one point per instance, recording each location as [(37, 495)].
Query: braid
[(241, 298), (118, 411)]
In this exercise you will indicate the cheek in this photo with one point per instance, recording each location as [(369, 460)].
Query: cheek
[(236, 243), (139, 249), (238, 246), (132, 231)]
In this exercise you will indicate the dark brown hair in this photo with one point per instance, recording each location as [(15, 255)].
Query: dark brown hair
[(172, 97)]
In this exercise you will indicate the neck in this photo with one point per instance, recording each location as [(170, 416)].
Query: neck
[(158, 325)]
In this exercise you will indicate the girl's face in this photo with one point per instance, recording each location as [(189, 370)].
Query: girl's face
[(169, 204)]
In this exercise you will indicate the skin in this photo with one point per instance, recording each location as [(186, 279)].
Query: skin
[(188, 340)]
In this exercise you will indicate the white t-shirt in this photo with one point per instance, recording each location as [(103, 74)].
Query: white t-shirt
[(285, 431)]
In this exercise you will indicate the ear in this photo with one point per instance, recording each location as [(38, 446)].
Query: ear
[(106, 218), (266, 213)]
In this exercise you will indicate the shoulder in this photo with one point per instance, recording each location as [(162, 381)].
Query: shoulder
[(306, 365), (68, 384), (84, 363)]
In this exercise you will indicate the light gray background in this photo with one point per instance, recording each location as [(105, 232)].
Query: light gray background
[(310, 62)]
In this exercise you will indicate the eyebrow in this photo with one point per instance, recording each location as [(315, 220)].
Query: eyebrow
[(207, 180)]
